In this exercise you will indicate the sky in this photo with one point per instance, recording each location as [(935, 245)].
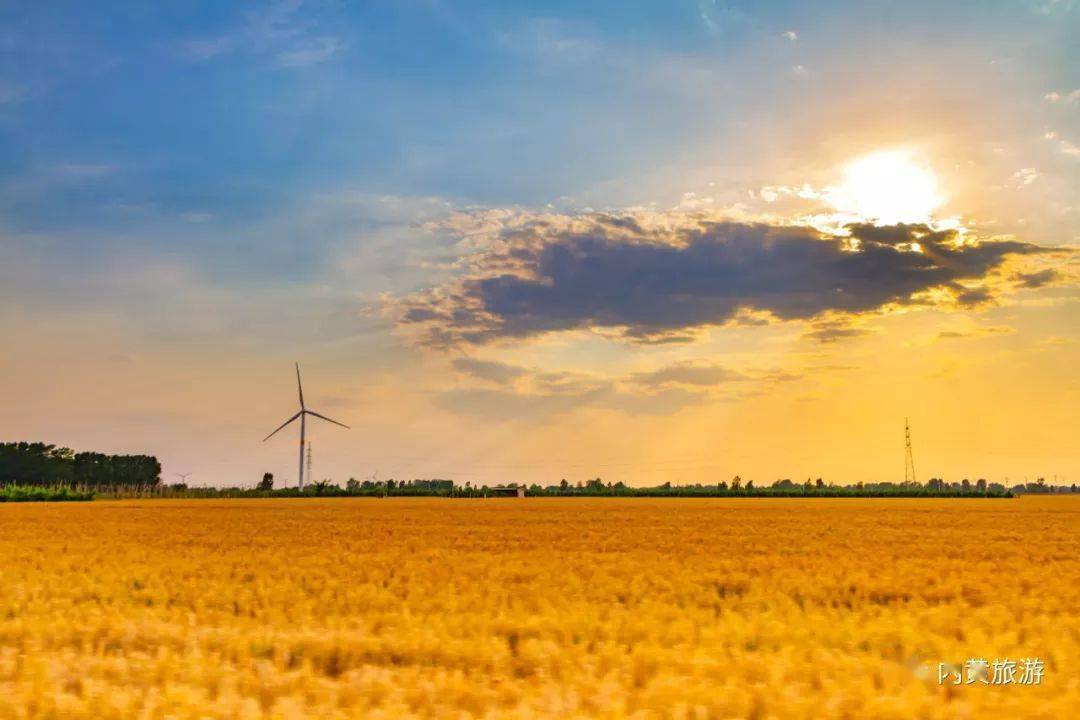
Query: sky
[(516, 242)]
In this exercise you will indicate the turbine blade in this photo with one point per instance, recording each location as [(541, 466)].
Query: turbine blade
[(312, 412), (283, 425), (299, 387)]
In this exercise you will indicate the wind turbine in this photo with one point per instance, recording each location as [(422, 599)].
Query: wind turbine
[(304, 412), (183, 476)]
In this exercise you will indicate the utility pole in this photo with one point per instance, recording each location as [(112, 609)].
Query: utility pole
[(909, 460)]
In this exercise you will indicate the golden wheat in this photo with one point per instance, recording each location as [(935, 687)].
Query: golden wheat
[(728, 608)]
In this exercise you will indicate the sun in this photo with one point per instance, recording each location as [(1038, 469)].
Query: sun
[(887, 187)]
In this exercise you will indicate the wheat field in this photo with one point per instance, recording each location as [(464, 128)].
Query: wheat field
[(667, 608)]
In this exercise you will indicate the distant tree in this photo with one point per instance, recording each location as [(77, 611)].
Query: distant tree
[(819, 483), (980, 486), (319, 487), (1039, 486), (749, 486), (965, 486), (353, 485), (267, 482), (564, 485), (736, 483)]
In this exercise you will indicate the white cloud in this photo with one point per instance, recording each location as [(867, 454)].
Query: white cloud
[(1065, 146), (1072, 97), (315, 51), (201, 50), (791, 35), (1025, 176), (282, 31)]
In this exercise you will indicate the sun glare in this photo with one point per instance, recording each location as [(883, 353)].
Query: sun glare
[(887, 187)]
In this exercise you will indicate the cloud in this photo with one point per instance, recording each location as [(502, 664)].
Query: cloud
[(661, 275), (281, 30), (832, 331), (688, 374), (1037, 279), (1025, 176), (971, 297), (313, 51), (1064, 146), (1071, 97), (791, 35), (977, 332), (505, 404), (204, 49), (526, 392), (492, 371)]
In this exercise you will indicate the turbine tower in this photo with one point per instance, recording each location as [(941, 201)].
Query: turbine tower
[(909, 460), (304, 412)]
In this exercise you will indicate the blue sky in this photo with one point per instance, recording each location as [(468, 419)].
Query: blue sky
[(236, 109), (196, 179)]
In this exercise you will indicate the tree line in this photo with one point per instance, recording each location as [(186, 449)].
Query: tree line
[(43, 465), (38, 464), (596, 487)]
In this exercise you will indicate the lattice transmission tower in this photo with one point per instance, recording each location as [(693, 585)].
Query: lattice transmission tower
[(309, 462), (909, 459)]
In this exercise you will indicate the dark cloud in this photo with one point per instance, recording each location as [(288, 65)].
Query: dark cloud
[(496, 372), (688, 374), (969, 297), (1037, 279), (650, 283), (827, 332), (976, 332)]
